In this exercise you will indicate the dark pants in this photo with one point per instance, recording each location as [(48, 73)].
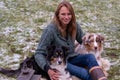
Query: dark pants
[(76, 65)]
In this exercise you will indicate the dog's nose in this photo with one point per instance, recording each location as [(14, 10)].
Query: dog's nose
[(59, 62), (95, 47)]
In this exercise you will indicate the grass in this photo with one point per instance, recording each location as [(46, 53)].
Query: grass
[(22, 22)]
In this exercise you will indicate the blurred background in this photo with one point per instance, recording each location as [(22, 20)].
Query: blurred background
[(22, 22)]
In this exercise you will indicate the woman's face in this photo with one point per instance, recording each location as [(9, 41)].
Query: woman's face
[(64, 16)]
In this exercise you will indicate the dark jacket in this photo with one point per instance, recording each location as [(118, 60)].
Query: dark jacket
[(51, 35)]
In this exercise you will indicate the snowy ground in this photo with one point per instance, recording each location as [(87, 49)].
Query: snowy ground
[(22, 21)]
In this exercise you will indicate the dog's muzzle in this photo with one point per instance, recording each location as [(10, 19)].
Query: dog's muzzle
[(59, 62)]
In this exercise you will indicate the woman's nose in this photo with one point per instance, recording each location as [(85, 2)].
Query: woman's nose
[(66, 16)]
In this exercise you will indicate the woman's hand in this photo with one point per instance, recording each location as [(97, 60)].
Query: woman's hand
[(53, 74)]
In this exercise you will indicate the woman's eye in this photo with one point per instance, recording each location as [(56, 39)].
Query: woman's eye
[(62, 13), (69, 13), (65, 14)]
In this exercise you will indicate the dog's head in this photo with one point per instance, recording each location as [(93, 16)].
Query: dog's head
[(93, 42), (57, 55)]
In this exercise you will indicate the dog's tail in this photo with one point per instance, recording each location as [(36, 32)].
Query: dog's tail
[(16, 72), (9, 72)]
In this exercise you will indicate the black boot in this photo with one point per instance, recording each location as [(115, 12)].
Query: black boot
[(97, 73)]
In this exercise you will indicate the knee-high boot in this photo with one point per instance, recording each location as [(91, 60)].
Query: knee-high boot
[(97, 73)]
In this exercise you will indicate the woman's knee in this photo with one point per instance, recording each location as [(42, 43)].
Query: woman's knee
[(91, 57), (80, 72), (91, 61)]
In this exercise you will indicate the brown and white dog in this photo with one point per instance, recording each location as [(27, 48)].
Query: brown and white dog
[(93, 43)]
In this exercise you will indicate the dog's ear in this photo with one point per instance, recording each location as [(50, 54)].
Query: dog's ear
[(85, 38), (51, 47), (101, 38), (50, 51), (65, 50)]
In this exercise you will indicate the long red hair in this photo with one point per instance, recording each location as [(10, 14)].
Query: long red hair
[(71, 27)]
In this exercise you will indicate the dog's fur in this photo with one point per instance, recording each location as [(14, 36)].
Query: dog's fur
[(16, 72), (93, 43), (57, 58), (29, 62)]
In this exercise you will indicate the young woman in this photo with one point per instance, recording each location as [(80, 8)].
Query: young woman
[(63, 31)]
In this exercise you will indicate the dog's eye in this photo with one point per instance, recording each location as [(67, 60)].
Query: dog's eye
[(52, 58), (97, 40), (60, 53), (57, 53)]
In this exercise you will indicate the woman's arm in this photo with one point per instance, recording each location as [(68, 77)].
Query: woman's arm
[(40, 56), (41, 52), (79, 34)]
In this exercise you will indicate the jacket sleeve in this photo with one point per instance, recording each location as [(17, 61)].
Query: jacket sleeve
[(41, 52), (79, 34)]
